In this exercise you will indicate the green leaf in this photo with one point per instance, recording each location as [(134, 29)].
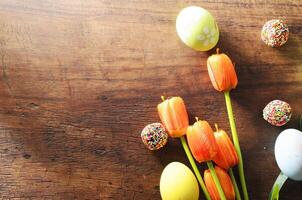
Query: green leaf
[(274, 194)]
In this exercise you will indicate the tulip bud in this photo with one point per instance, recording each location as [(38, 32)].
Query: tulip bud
[(201, 141), (226, 156), (174, 116), (222, 72), (225, 182)]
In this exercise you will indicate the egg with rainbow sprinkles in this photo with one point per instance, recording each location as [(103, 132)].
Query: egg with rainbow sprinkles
[(154, 136), (197, 28), (277, 112)]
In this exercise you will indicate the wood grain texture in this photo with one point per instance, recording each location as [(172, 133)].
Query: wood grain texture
[(79, 80)]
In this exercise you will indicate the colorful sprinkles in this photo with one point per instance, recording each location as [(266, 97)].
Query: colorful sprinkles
[(277, 113), (274, 33), (154, 136)]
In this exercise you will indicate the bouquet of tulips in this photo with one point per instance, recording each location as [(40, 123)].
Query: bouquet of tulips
[(205, 144), (198, 29)]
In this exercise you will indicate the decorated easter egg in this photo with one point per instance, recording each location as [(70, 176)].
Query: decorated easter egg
[(275, 33), (277, 112), (178, 182), (288, 153), (154, 136), (197, 28)]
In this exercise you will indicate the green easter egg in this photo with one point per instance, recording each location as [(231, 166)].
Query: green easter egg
[(177, 182), (197, 28)]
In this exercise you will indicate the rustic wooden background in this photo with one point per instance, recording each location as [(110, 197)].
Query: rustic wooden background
[(80, 79)]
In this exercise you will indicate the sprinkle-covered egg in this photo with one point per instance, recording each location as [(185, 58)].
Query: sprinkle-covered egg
[(277, 112), (288, 153), (154, 136), (197, 28), (275, 33), (178, 182)]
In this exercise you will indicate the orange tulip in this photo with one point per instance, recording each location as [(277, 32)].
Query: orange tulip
[(222, 72), (174, 116), (225, 182), (201, 141), (226, 156)]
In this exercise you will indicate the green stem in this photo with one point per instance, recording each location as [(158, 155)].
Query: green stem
[(301, 123), (274, 195), (237, 193), (236, 144), (195, 169), (216, 180)]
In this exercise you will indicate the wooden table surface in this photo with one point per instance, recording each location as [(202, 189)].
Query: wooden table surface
[(80, 79)]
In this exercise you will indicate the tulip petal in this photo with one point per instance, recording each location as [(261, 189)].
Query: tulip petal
[(222, 72), (226, 156), (173, 115), (225, 182), (201, 141)]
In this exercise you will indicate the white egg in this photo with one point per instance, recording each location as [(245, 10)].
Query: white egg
[(288, 153)]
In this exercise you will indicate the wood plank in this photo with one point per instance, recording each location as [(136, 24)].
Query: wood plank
[(80, 79)]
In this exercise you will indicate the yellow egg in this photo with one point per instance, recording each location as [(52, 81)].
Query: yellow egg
[(197, 28), (177, 182)]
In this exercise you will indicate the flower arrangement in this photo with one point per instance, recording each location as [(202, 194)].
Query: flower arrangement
[(198, 29)]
